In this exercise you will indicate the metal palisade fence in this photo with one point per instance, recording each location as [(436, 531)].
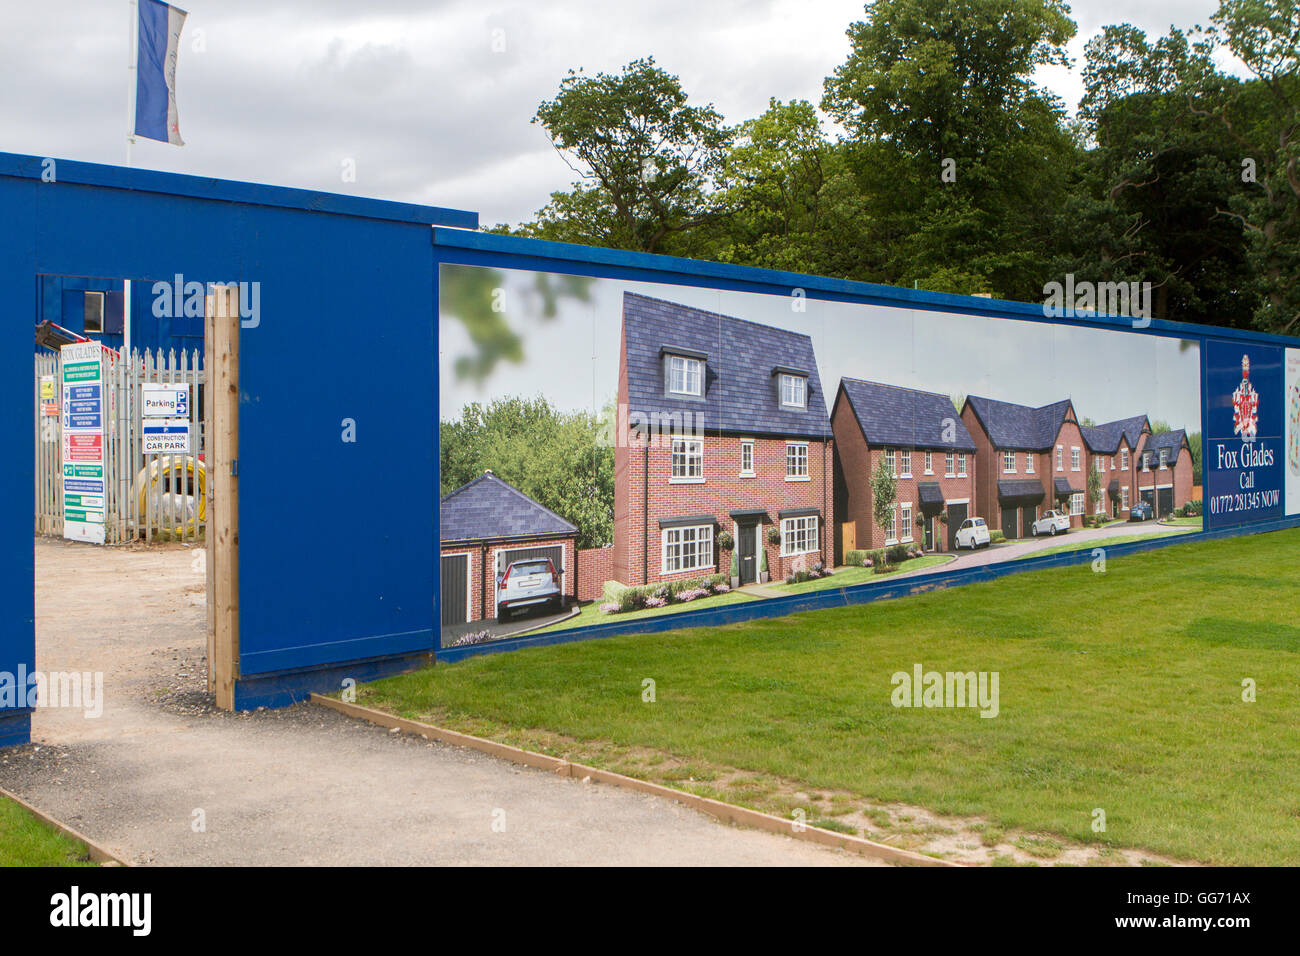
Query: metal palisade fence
[(147, 496)]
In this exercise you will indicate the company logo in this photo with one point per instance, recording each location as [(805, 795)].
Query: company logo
[(1245, 404)]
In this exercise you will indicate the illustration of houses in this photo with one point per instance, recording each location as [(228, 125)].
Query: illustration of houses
[(1113, 449), (1164, 470), (722, 427), (483, 526), (1028, 460), (919, 439)]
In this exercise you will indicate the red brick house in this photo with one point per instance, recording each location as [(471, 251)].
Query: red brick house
[(722, 427), (1163, 470), (483, 526), (1112, 449), (922, 442), (1027, 460)]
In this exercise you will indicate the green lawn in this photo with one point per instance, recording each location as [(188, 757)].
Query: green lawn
[(1100, 543), (26, 841), (1119, 691), (847, 577), (592, 614), (1193, 521)]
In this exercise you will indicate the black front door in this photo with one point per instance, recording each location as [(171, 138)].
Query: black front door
[(956, 515), (929, 533), (748, 548)]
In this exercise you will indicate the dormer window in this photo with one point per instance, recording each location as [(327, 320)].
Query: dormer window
[(683, 371), (794, 391)]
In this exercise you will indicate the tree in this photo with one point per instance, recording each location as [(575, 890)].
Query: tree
[(648, 162), (556, 458), (1094, 487), (884, 491)]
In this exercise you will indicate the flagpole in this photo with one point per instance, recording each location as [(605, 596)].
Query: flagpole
[(132, 34)]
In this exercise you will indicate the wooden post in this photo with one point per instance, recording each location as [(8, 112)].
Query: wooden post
[(223, 513)]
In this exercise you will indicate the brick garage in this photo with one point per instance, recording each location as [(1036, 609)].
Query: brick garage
[(484, 524)]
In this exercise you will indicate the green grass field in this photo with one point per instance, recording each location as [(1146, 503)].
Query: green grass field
[(1120, 691), (1103, 542), (26, 841), (847, 577), (592, 614)]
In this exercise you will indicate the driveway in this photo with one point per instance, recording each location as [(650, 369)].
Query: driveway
[(161, 777), (1027, 546)]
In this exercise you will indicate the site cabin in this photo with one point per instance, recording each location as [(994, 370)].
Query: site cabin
[(1028, 460), (919, 438), (1113, 450), (1163, 471), (722, 426), (484, 525)]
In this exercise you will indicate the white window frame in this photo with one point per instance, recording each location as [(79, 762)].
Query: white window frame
[(689, 366), (687, 478), (929, 463), (798, 390), (103, 302), (1060, 458), (701, 538), (905, 463), (891, 529), (961, 465), (805, 529), (1123, 459), (1076, 458), (1029, 463), (1008, 463), (1164, 459), (747, 444), (891, 462), (796, 475), (906, 518), (1077, 503), (950, 464), (1123, 498)]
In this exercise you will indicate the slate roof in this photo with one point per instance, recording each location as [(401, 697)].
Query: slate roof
[(1020, 489), (1172, 440), (1018, 427), (904, 417), (740, 356), (1105, 438), (931, 495), (1065, 489), (488, 508)]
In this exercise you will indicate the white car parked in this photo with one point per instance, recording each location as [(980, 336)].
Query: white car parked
[(973, 533), (1051, 522)]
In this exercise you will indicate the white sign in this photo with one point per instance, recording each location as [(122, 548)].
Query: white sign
[(166, 436), (165, 401)]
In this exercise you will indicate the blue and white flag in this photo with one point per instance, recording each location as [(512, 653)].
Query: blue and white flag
[(155, 73)]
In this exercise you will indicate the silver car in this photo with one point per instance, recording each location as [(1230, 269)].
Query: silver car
[(528, 583)]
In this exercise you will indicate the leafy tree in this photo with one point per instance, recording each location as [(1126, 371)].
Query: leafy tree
[(648, 162), (556, 458), (884, 492)]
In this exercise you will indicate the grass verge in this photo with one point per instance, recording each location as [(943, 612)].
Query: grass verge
[(27, 841)]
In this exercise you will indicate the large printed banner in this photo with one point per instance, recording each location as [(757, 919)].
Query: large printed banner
[(613, 449), (83, 442), (1244, 449)]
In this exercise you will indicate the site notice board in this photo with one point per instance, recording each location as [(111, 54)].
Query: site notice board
[(83, 442)]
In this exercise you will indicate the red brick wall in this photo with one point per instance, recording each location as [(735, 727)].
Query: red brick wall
[(857, 461), (722, 491), (988, 469), (595, 567), (1179, 474)]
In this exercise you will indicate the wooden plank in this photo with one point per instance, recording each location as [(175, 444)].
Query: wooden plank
[(223, 372)]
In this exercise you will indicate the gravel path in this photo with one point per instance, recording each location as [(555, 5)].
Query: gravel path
[(161, 777)]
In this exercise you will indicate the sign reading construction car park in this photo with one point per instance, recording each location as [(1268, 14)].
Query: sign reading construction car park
[(166, 436), (83, 442)]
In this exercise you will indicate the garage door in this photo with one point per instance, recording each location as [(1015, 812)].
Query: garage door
[(455, 589), (956, 515), (1010, 523), (1164, 501)]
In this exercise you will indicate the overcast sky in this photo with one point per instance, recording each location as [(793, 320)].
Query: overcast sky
[(419, 93)]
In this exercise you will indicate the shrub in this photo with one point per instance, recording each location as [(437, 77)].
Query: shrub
[(724, 541), (897, 554), (655, 602), (1192, 509), (474, 637), (996, 536), (774, 535), (722, 589), (690, 594), (718, 580)]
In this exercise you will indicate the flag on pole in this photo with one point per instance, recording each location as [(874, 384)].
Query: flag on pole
[(155, 76)]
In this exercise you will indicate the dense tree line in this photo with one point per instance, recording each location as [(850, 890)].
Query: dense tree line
[(956, 172)]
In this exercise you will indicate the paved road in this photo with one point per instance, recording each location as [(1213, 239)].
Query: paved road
[(302, 785)]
